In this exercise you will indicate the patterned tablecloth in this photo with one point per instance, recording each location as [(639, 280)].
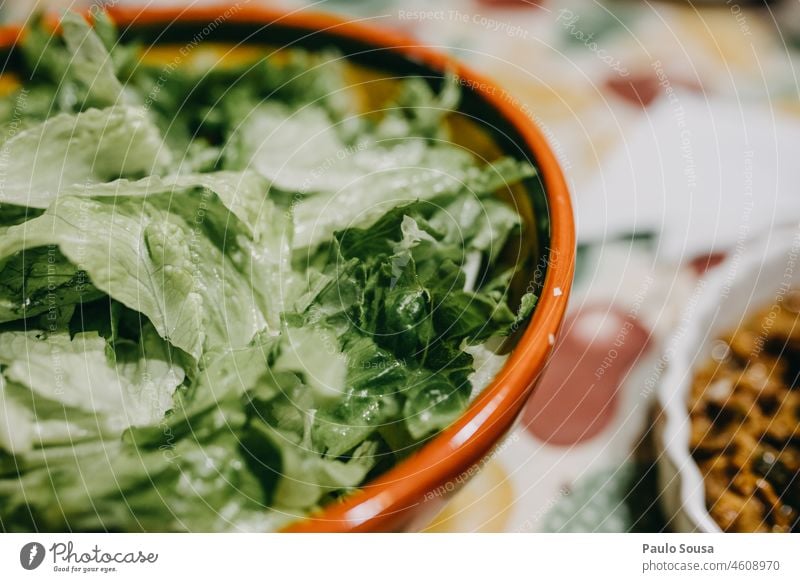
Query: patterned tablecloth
[(659, 112)]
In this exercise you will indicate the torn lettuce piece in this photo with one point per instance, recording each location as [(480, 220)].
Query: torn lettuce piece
[(241, 193), (222, 98), (218, 395), (313, 353), (418, 285), (301, 477), (486, 366), (439, 176), (232, 210), (230, 205), (302, 150), (292, 148), (82, 68), (527, 304), (211, 488), (153, 262), (480, 224), (373, 398), (433, 403), (90, 64), (85, 385), (96, 145), (418, 110), (401, 285), (17, 423), (42, 281)]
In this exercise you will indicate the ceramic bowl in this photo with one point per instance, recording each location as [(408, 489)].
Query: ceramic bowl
[(405, 497)]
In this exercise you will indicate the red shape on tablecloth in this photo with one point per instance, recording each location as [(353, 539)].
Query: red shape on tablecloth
[(577, 397), (643, 88), (700, 265), (635, 89)]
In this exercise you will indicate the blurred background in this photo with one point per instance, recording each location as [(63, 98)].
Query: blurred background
[(678, 128)]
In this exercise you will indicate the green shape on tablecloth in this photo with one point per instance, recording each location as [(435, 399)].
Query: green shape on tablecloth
[(622, 499), (587, 253), (583, 25)]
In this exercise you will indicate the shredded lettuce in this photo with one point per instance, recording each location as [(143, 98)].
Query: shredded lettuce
[(227, 297), (89, 147), (98, 388)]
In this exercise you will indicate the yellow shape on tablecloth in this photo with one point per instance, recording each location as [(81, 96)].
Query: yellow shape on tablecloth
[(483, 505), (738, 39)]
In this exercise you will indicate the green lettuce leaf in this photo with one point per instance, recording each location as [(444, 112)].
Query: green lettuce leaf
[(96, 145), (111, 486), (301, 477), (90, 64), (234, 213), (439, 175), (66, 388), (42, 281), (149, 260)]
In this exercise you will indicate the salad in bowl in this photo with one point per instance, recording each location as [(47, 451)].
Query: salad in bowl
[(236, 289)]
